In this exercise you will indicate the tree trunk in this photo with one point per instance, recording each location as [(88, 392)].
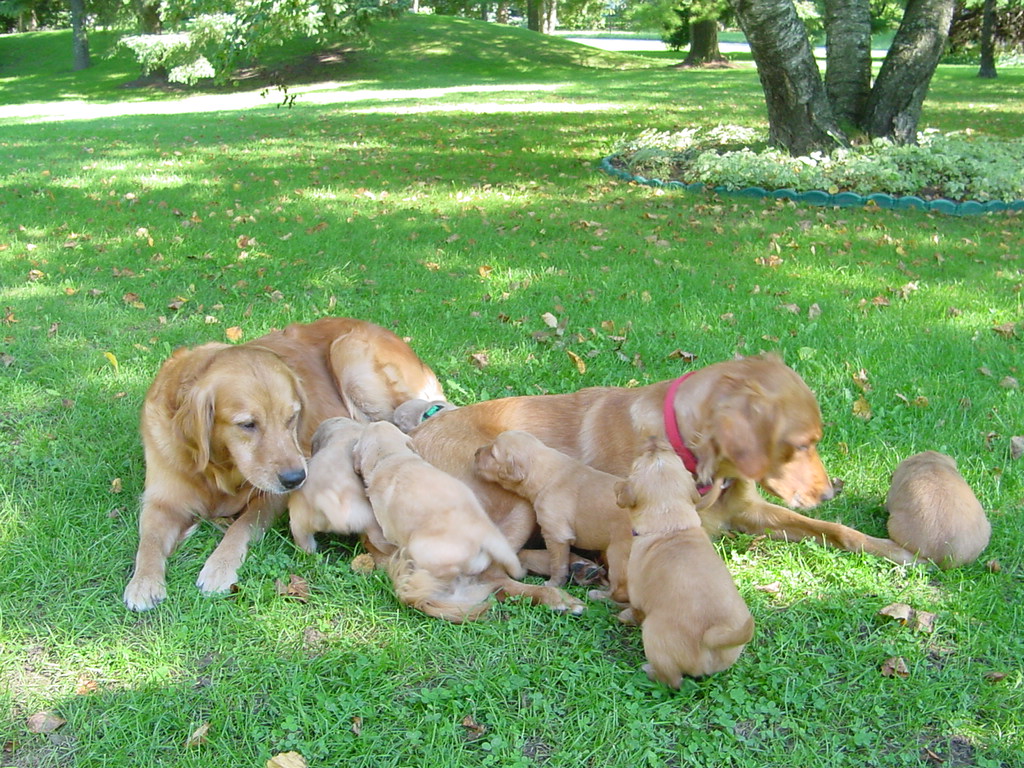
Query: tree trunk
[(533, 13), (799, 115), (703, 44), (848, 57), (148, 14), (988, 44), (501, 16), (79, 39), (550, 17), (894, 108)]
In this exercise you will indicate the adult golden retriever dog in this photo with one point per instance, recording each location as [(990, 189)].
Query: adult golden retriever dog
[(693, 620), (445, 539), (226, 431), (751, 421), (934, 513)]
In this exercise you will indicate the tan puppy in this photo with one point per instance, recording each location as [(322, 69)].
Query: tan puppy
[(692, 617), (752, 421), (333, 499), (445, 538), (226, 430), (575, 504), (933, 512), (412, 413)]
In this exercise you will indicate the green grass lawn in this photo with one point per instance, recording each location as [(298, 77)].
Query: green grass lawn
[(443, 184)]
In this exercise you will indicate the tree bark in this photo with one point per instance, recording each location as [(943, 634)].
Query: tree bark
[(703, 44), (848, 57), (988, 45), (79, 39), (533, 14), (799, 115), (894, 107)]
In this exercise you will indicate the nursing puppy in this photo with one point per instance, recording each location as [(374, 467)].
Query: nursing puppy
[(226, 430), (692, 617), (575, 504), (933, 512), (444, 537), (333, 499)]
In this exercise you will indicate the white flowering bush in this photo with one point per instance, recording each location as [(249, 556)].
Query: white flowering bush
[(959, 166)]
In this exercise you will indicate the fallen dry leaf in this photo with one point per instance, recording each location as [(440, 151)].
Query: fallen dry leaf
[(862, 409), (479, 360), (994, 566), (860, 378), (1006, 330), (484, 270), (814, 312), (995, 677), (1016, 447), (44, 722), (773, 589), (234, 333), (895, 666), (287, 760), (581, 365), (474, 730), (115, 485), (357, 725), (363, 563), (297, 588), (549, 320), (198, 737), (899, 611)]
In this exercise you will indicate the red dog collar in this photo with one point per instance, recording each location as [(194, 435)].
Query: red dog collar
[(672, 430)]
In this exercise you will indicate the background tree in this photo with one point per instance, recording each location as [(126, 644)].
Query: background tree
[(695, 24), (79, 38), (803, 115)]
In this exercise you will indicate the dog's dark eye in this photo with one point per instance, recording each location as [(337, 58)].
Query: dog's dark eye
[(248, 426)]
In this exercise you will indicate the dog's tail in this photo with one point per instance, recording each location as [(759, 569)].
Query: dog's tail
[(459, 600), (725, 636)]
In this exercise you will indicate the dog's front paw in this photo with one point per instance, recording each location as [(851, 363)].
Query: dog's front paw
[(216, 577), (144, 593), (561, 601)]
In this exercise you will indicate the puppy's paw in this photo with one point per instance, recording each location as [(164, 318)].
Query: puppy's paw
[(584, 572), (217, 577), (563, 602), (143, 593)]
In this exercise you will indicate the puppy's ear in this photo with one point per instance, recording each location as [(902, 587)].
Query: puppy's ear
[(193, 421), (624, 495), (511, 468)]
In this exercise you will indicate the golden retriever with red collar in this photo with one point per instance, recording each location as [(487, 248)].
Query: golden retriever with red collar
[(226, 431), (750, 421)]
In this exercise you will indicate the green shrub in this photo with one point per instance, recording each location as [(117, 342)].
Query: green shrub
[(959, 166)]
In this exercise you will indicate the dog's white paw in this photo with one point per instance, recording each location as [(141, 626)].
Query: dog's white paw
[(217, 578), (143, 593)]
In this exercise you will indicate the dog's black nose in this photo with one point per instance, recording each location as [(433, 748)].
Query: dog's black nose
[(292, 478)]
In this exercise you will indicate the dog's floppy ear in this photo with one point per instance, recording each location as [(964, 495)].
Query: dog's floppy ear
[(193, 421), (739, 440), (510, 467), (624, 495)]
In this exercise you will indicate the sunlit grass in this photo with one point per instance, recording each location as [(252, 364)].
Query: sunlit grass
[(129, 233)]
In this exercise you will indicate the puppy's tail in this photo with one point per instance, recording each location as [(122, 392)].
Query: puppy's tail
[(723, 636), (459, 600)]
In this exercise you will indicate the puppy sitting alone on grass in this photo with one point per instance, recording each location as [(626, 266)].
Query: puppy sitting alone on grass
[(575, 504), (934, 513), (692, 617), (444, 537), (332, 500)]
